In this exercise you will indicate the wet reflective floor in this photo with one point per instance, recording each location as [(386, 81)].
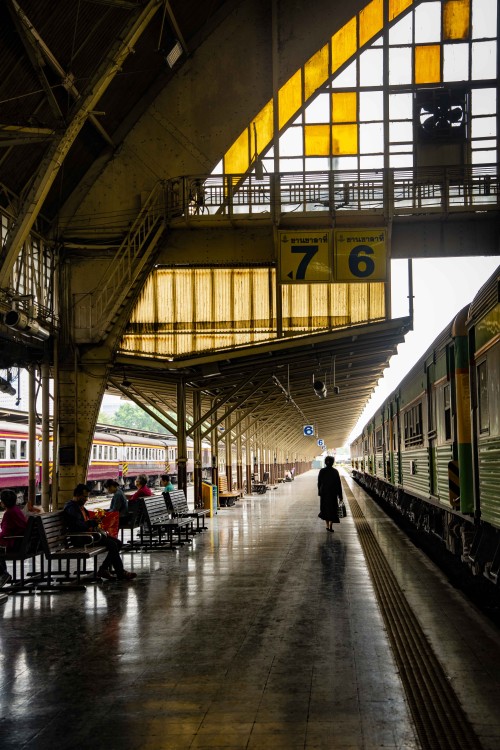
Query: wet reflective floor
[(264, 633)]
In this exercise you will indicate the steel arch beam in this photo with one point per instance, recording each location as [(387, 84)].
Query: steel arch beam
[(57, 152)]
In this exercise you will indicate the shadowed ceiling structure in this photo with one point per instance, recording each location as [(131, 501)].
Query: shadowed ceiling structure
[(104, 104)]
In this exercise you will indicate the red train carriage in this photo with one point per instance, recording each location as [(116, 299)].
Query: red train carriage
[(14, 456), (120, 454)]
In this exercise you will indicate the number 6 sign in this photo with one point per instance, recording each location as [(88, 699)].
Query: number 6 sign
[(360, 255)]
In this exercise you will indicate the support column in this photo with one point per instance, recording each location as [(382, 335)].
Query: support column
[(248, 460), (239, 468), (181, 437), (45, 438), (80, 389), (215, 450), (32, 436), (197, 477), (229, 454)]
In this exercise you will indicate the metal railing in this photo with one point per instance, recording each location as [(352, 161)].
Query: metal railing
[(388, 193), (192, 200), (95, 310)]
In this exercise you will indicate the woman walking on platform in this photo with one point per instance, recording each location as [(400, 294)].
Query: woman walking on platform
[(329, 491)]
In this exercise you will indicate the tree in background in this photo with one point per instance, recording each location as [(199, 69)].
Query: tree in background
[(132, 416)]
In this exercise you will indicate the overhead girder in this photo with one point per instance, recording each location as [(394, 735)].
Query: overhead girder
[(164, 419), (218, 420), (58, 150), (252, 408), (40, 53), (235, 390), (34, 51)]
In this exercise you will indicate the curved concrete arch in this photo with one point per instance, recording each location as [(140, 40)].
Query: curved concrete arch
[(195, 118)]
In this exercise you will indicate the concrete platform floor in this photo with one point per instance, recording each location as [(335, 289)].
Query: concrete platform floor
[(264, 633)]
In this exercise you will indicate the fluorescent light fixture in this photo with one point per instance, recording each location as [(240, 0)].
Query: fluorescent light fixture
[(174, 54)]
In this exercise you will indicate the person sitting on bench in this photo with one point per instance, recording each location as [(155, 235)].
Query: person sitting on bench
[(118, 501), (166, 483), (14, 523), (143, 490), (79, 521)]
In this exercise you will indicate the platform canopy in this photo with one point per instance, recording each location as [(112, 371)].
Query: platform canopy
[(274, 382)]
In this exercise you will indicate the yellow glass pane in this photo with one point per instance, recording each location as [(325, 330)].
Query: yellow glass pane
[(344, 140), (428, 63), (315, 71), (317, 140), (396, 7), (456, 19), (237, 158), (290, 98), (343, 44), (344, 107), (371, 20), (264, 127)]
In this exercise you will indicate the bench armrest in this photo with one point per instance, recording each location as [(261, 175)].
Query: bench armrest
[(92, 535)]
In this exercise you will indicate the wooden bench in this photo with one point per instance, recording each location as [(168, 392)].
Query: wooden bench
[(161, 527), (177, 503), (27, 548), (58, 544), (226, 497)]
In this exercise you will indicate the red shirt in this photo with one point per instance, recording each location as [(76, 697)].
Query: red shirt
[(141, 492), (14, 523)]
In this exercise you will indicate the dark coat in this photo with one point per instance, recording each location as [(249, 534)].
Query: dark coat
[(329, 491)]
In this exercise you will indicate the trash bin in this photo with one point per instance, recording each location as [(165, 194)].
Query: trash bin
[(209, 497)]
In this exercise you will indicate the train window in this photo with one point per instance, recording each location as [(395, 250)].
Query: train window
[(105, 453), (100, 453), (447, 412), (23, 452), (379, 440), (482, 397), (413, 426), (94, 452), (13, 449), (3, 446), (116, 453)]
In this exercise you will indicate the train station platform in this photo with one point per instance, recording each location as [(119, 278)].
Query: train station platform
[(266, 632)]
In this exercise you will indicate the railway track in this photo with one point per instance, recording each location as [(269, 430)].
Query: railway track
[(440, 721)]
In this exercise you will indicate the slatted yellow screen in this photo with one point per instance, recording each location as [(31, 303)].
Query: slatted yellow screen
[(194, 310)]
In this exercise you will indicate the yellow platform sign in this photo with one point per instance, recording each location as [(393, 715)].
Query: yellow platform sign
[(360, 254), (305, 256)]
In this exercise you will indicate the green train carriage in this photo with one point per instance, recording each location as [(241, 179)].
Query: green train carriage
[(432, 451)]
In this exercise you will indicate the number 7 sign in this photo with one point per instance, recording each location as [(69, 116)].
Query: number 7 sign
[(305, 256)]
